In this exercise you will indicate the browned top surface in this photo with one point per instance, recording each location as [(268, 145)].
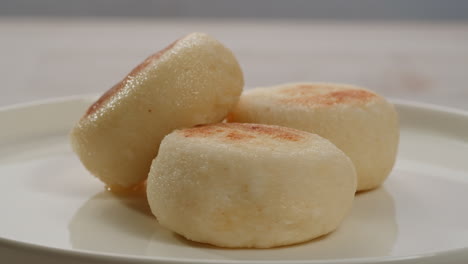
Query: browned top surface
[(324, 95), (109, 93), (243, 132), (302, 89)]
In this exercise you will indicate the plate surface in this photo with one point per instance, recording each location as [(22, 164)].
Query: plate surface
[(53, 211)]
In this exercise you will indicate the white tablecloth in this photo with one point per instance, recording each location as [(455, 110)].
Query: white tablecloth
[(44, 58)]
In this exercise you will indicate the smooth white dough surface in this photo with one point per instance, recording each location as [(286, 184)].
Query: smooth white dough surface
[(361, 123), (249, 185), (195, 80)]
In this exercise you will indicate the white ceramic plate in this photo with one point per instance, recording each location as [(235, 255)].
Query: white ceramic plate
[(53, 211)]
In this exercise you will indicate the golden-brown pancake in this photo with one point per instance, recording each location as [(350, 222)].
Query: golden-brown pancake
[(361, 123), (195, 80), (249, 185)]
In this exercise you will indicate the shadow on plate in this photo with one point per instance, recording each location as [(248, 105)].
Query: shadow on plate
[(114, 223), (124, 224)]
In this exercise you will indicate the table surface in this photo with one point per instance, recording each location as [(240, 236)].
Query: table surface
[(426, 62)]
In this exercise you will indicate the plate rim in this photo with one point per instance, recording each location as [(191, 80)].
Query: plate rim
[(118, 258), (94, 96)]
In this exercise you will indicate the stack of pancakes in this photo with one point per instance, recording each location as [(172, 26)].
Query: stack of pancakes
[(283, 169)]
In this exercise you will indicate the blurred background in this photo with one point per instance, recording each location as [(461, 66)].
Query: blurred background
[(415, 50)]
